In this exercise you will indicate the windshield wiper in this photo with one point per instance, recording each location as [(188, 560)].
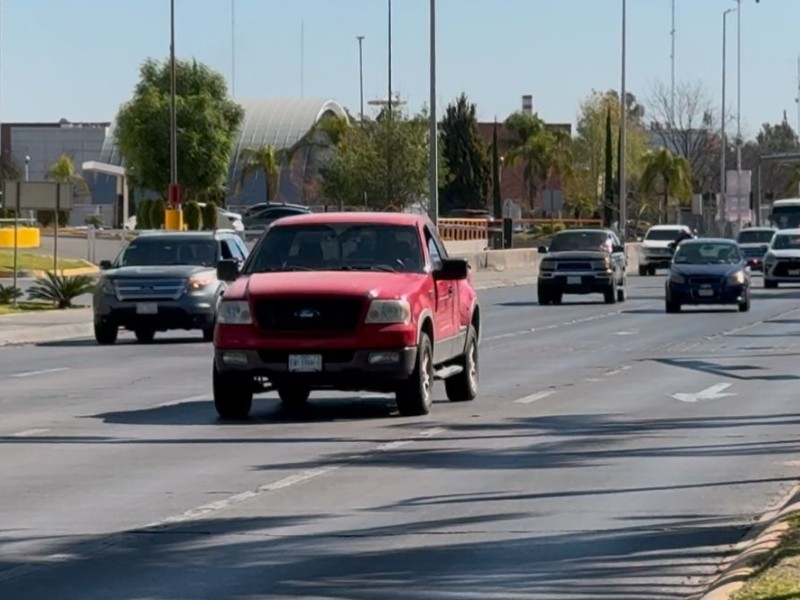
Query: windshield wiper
[(385, 268)]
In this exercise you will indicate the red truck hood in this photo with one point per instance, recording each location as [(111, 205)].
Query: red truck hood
[(329, 283)]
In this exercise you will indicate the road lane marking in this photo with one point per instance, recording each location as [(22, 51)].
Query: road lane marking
[(39, 372), (535, 397), (713, 392), (183, 400), (29, 432), (622, 369), (286, 482)]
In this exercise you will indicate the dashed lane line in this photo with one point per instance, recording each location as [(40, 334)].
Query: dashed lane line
[(25, 374), (535, 397), (204, 510)]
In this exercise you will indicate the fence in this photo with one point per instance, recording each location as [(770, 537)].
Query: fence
[(458, 230)]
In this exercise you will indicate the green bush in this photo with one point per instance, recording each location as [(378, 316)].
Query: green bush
[(143, 214), (157, 213), (9, 293), (192, 215), (94, 220), (47, 217), (210, 216), (59, 289)]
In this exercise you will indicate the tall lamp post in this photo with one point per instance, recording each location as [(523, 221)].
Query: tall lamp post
[(623, 186), (360, 39), (723, 187), (389, 111), (433, 175), (173, 216)]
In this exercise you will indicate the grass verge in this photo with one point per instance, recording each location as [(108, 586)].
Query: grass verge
[(777, 576), (24, 306), (28, 261)]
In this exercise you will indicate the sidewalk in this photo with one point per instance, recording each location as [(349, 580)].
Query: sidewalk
[(45, 326)]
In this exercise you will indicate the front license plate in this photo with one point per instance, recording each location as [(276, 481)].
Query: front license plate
[(706, 292), (794, 271), (573, 280), (305, 363), (147, 308)]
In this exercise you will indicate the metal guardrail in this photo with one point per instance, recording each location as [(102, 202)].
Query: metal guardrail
[(457, 230)]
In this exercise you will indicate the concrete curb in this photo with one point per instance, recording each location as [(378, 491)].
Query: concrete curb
[(89, 269), (762, 539), (45, 334)]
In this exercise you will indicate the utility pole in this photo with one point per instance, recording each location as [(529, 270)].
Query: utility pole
[(723, 186), (672, 59), (233, 48), (623, 187), (389, 114), (739, 110), (174, 191), (433, 175), (360, 39)]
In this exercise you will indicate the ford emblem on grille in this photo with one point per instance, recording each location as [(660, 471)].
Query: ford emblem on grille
[(306, 313)]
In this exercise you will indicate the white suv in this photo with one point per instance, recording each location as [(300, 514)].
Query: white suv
[(655, 252)]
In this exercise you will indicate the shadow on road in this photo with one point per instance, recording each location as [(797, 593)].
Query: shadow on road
[(726, 371), (124, 341)]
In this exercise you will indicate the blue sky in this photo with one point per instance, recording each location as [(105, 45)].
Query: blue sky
[(79, 59)]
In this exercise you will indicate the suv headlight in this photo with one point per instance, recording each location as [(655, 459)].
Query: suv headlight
[(234, 312), (388, 312), (737, 278), (198, 282), (547, 265)]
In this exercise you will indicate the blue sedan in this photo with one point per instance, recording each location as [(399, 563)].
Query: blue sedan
[(707, 272)]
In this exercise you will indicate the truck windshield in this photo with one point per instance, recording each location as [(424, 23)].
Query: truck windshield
[(154, 252), (338, 247), (755, 237), (578, 240), (663, 235), (785, 217)]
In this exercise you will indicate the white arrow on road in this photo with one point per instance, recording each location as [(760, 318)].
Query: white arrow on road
[(714, 392)]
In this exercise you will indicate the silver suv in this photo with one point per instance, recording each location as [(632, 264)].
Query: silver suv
[(164, 281)]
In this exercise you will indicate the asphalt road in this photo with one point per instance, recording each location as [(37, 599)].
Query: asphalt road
[(575, 475)]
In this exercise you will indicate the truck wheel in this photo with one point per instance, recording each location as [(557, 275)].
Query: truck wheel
[(651, 271), (208, 334), (415, 395), (672, 307), (294, 395), (144, 336), (464, 386), (643, 272), (544, 296), (233, 395), (770, 285), (557, 297), (105, 334)]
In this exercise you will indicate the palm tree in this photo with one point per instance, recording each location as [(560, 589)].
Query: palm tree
[(672, 170), (266, 159), (544, 152), (63, 171)]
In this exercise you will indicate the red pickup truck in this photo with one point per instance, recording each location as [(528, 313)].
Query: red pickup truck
[(348, 302)]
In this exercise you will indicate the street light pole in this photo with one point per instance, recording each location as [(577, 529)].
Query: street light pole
[(433, 175), (389, 113), (174, 193), (623, 187), (723, 139), (233, 48), (739, 110), (360, 39)]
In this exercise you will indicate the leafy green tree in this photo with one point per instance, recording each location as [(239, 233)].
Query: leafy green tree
[(266, 161), (777, 178), (589, 145), (497, 198), (207, 120), (210, 216), (357, 172), (608, 180), (466, 156), (672, 171), (192, 216), (158, 210), (143, 214)]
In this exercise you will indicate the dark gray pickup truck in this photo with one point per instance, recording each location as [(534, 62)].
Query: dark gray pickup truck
[(164, 281)]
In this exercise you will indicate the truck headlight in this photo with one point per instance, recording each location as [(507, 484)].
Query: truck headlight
[(736, 278), (106, 286), (547, 265), (234, 312), (199, 282), (388, 312)]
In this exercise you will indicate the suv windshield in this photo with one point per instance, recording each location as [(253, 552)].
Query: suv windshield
[(755, 237), (338, 247), (786, 242), (154, 252), (663, 235), (707, 253), (578, 240)]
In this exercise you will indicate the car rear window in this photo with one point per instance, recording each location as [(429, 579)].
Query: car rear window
[(663, 235), (578, 240)]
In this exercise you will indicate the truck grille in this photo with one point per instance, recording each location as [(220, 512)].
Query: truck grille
[(784, 266), (574, 266), (751, 252), (149, 289), (309, 314)]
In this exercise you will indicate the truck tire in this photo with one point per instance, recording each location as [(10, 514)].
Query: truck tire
[(770, 285), (294, 395), (233, 395), (610, 294), (643, 272), (415, 395), (208, 334), (105, 335), (464, 386)]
